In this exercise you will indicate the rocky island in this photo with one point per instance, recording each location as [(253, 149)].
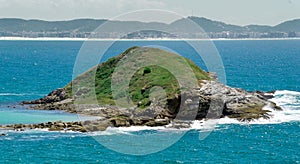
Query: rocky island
[(155, 96)]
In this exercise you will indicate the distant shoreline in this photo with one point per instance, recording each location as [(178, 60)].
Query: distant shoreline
[(147, 39)]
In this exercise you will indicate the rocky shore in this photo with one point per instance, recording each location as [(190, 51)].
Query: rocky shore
[(234, 103)]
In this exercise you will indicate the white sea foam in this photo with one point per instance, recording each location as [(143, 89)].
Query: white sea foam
[(139, 128), (287, 98), (109, 131), (227, 120), (289, 101)]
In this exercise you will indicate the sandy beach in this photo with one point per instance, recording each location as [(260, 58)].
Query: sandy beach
[(146, 39)]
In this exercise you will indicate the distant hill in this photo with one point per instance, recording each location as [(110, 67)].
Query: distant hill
[(293, 25), (208, 25), (83, 28), (18, 25), (258, 28)]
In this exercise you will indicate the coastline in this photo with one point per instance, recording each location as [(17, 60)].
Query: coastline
[(147, 39)]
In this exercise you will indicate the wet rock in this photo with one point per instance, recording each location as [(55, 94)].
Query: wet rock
[(266, 95), (120, 121), (55, 128), (179, 124), (158, 122), (96, 125)]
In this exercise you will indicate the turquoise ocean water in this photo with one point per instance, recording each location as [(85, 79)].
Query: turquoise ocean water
[(31, 69)]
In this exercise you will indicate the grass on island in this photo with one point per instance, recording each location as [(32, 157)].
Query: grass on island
[(140, 85)]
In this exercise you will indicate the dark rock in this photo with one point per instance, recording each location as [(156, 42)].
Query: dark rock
[(266, 95), (55, 96), (274, 106)]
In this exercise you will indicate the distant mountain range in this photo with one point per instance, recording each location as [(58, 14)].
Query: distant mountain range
[(81, 28)]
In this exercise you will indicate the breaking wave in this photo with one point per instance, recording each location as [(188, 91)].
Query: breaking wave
[(289, 101)]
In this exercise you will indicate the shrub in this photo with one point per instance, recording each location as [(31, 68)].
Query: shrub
[(147, 70)]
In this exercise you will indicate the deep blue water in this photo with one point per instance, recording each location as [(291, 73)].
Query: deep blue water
[(231, 144), (31, 69)]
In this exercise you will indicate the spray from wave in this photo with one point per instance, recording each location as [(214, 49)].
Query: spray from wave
[(289, 101)]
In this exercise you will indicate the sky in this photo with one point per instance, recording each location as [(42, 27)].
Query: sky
[(239, 12)]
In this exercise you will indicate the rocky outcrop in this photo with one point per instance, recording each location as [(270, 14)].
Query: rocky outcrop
[(212, 101), (238, 103), (55, 96), (94, 125), (90, 125), (52, 126)]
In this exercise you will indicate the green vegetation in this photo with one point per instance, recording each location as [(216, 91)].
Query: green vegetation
[(140, 85), (142, 82), (147, 70)]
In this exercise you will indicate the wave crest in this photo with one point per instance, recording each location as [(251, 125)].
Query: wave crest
[(21, 94)]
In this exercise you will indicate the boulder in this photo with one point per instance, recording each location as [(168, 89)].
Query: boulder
[(119, 121), (96, 125)]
